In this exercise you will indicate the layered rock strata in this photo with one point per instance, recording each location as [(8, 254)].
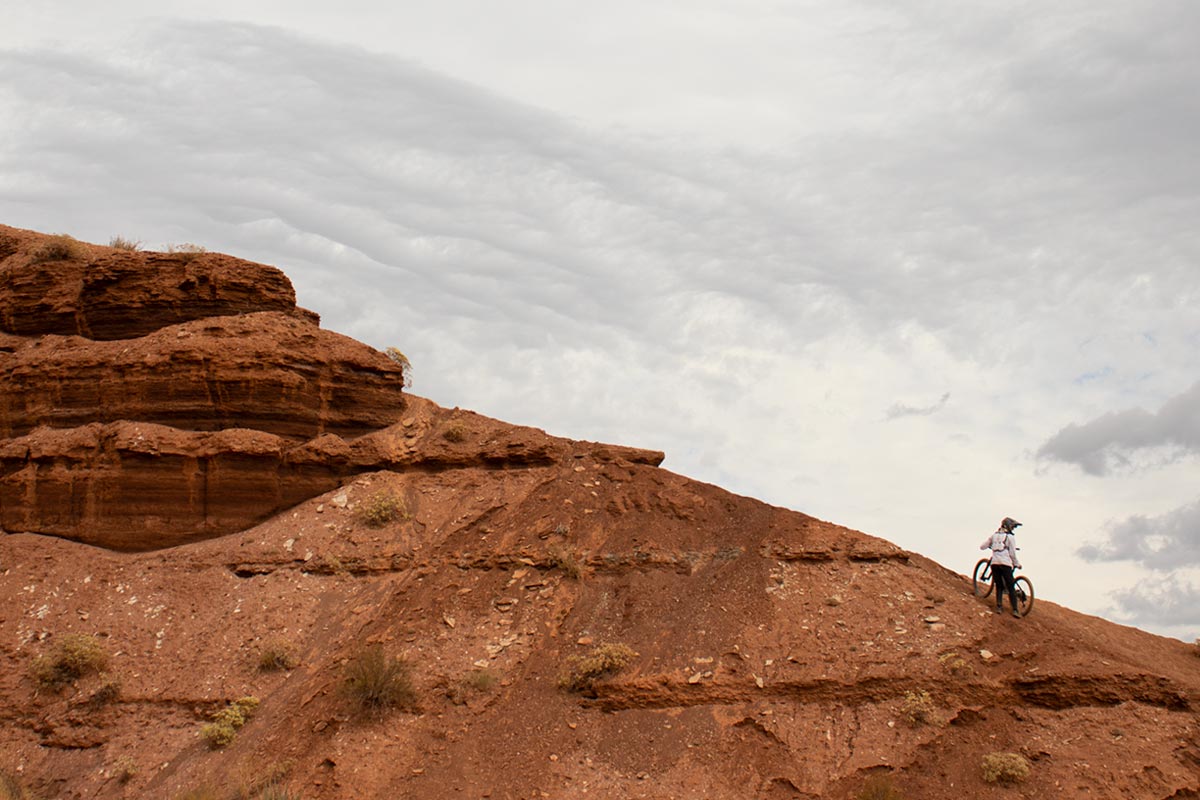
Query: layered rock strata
[(148, 399)]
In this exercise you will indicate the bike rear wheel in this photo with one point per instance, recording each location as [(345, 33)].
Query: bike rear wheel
[(1024, 595), (981, 578)]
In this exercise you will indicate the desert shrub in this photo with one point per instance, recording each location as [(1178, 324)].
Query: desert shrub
[(879, 787), (121, 243), (917, 708), (277, 654), (583, 671), (59, 248), (566, 560), (1005, 768), (475, 682), (226, 722), (402, 361), (72, 657), (955, 664), (124, 768), (381, 508), (12, 789), (455, 433), (187, 251), (376, 683)]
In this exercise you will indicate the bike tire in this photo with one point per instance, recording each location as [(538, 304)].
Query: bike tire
[(1024, 595), (981, 581)]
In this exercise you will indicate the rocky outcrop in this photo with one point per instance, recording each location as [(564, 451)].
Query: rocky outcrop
[(150, 399), (108, 293), (267, 371)]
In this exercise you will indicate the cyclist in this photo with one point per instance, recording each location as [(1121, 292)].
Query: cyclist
[(1003, 544)]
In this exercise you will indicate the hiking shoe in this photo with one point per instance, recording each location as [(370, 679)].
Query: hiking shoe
[(1017, 614), (998, 610)]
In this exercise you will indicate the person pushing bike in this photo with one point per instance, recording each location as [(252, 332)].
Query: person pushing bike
[(1003, 544)]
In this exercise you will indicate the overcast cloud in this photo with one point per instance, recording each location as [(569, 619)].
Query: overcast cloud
[(773, 240)]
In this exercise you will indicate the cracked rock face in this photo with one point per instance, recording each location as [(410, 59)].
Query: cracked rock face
[(294, 502)]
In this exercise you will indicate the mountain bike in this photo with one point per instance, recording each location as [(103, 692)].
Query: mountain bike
[(981, 582)]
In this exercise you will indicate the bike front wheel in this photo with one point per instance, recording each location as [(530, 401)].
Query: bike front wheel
[(1024, 588), (981, 578)]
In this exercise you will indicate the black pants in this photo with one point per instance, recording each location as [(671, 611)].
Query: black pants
[(1002, 579)]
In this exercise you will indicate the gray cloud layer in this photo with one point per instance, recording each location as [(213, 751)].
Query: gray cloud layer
[(1111, 440), (1166, 542)]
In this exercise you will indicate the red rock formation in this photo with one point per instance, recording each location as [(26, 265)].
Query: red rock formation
[(182, 343), (122, 294)]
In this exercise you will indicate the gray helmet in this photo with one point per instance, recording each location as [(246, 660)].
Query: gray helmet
[(1008, 524)]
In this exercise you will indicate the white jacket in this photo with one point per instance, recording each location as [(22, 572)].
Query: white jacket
[(1004, 548)]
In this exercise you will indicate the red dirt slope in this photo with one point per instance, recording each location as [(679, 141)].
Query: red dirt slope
[(778, 656)]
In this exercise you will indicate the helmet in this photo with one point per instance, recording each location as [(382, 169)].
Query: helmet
[(1008, 524)]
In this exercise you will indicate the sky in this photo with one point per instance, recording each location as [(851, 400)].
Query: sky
[(908, 266)]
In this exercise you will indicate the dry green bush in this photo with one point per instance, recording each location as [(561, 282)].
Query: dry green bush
[(606, 660), (566, 560), (59, 248), (277, 653), (376, 683), (124, 768), (187, 251), (11, 788), (455, 433), (381, 508), (226, 722), (402, 360), (879, 787), (121, 243), (955, 664), (1005, 768), (72, 657), (917, 708)]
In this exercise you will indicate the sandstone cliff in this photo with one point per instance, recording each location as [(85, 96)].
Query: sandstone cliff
[(777, 655)]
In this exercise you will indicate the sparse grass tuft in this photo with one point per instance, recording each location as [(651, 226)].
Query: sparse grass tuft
[(121, 243), (124, 769), (187, 251), (568, 561), (402, 360), (879, 787), (60, 248), (277, 654), (955, 664), (381, 508), (376, 683), (12, 789), (226, 722), (918, 708), (455, 433), (604, 661), (1005, 768), (74, 656)]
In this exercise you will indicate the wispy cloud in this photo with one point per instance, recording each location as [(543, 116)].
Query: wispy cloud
[(898, 410)]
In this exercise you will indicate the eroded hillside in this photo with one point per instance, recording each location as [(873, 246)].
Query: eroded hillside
[(776, 655)]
